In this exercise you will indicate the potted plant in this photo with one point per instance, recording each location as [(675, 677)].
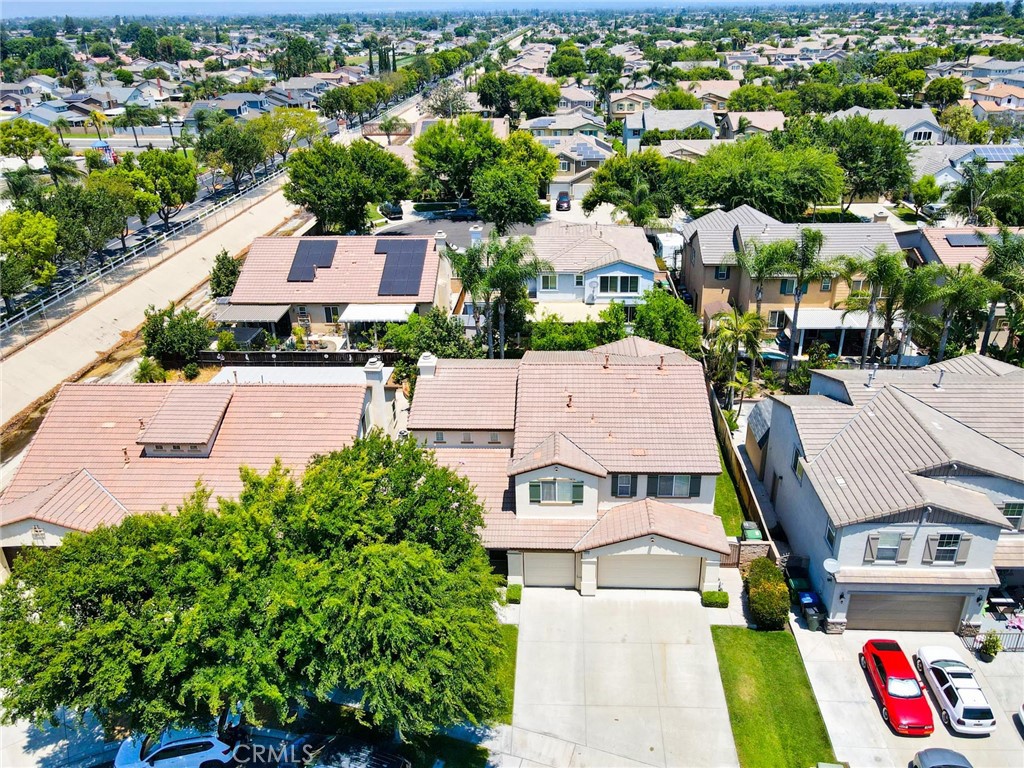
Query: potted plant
[(989, 647)]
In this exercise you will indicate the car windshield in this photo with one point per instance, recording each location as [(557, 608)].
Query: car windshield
[(978, 713), (149, 745), (904, 688)]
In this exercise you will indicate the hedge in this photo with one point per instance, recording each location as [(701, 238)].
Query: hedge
[(514, 593), (714, 599), (769, 605), (762, 571)]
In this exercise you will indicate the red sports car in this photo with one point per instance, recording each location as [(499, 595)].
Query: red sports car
[(904, 705)]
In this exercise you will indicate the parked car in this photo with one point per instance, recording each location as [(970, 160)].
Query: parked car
[(175, 749), (463, 214), (564, 202), (962, 705), (940, 758), (390, 211), (934, 210), (904, 705), (319, 751)]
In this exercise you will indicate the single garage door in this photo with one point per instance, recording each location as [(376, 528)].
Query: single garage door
[(549, 569), (648, 571), (933, 613), (579, 190)]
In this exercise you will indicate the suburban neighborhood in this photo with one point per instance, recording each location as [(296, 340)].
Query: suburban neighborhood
[(634, 387)]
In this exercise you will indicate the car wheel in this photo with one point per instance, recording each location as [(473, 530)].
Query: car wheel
[(863, 662), (885, 714), (920, 665), (945, 717)]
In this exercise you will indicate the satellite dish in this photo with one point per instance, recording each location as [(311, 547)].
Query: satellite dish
[(831, 565)]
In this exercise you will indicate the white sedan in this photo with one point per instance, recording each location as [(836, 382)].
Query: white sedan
[(962, 705)]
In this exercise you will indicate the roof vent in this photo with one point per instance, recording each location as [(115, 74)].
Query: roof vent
[(871, 379), (661, 363), (569, 402), (606, 359), (142, 424), (942, 373), (124, 452)]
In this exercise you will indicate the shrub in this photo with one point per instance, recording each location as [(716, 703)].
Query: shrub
[(764, 571), (991, 645), (514, 593), (714, 599), (174, 336), (191, 372), (226, 342), (769, 605), (149, 372)]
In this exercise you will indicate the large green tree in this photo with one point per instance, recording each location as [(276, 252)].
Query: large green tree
[(448, 154), (873, 156), (235, 149), (635, 185), (668, 320), (506, 195), (28, 241), (174, 180), (23, 138), (436, 332)]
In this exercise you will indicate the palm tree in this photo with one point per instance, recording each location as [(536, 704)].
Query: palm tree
[(744, 386), (635, 201), (20, 183), (96, 120), (470, 267), (919, 289), (968, 198), (135, 115), (168, 113), (1005, 266), (734, 330), (58, 165), (186, 139), (607, 83), (60, 125), (763, 262), (964, 293), (880, 273), (806, 265), (391, 124)]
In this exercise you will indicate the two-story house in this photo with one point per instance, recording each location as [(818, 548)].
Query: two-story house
[(918, 126), (572, 96), (1000, 99), (595, 469), (713, 94), (911, 483), (739, 124), (578, 157), (630, 102), (578, 122), (636, 125), (592, 266)]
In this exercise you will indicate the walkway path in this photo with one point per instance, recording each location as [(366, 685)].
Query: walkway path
[(31, 372)]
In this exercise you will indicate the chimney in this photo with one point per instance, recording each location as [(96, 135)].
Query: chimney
[(476, 235), (440, 241), (427, 365), (374, 370), (938, 384)]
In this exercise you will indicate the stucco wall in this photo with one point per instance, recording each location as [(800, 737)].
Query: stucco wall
[(550, 511), (705, 502), (453, 439)]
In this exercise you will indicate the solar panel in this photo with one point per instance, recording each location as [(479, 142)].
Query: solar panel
[(403, 266), (309, 255), (961, 241)]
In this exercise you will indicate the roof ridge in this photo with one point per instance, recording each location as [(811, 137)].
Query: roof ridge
[(103, 488)]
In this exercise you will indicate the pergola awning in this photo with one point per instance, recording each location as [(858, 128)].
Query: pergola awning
[(820, 319), (250, 313), (377, 313)]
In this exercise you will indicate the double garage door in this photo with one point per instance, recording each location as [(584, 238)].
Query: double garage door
[(558, 569), (932, 613)]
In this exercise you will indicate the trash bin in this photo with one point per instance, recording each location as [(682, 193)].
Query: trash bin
[(814, 618)]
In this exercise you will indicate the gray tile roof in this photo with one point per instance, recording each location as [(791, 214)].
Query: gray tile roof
[(900, 118), (669, 119)]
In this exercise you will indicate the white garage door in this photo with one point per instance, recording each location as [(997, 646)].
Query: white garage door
[(579, 190), (549, 569), (932, 613), (648, 571)]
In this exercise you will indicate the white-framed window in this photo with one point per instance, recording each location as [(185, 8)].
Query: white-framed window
[(830, 535), (331, 314), (494, 438), (922, 136), (439, 437), (675, 486), (630, 310), (776, 318), (193, 448), (620, 284), (858, 285), (467, 438), (888, 547), (1013, 512), (549, 282), (301, 310), (624, 485), (947, 547), (826, 283), (578, 281), (157, 447), (563, 165), (722, 273), (787, 286), (175, 447), (556, 491)]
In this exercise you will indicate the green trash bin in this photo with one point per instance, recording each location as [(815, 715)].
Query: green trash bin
[(814, 618)]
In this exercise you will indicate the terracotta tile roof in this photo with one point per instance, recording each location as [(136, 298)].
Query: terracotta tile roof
[(951, 255), (466, 395), (353, 277), (635, 346), (187, 415), (651, 517), (557, 449), (79, 449), (584, 247), (1009, 551)]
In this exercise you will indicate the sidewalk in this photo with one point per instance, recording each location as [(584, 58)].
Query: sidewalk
[(32, 371)]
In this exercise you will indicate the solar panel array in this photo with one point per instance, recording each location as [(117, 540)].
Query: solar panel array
[(1000, 153), (962, 241), (403, 266), (309, 255)]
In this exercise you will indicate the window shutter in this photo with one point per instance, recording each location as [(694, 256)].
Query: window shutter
[(929, 548), (652, 485), (904, 552), (871, 551), (632, 486), (577, 493), (615, 485), (535, 493), (694, 485), (964, 550)]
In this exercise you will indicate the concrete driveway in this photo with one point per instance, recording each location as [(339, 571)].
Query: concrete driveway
[(853, 718), (626, 678)]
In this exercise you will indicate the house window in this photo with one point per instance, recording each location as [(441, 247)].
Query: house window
[(947, 547), (857, 285), (922, 136), (193, 448), (1013, 513), (579, 281), (494, 438), (722, 273), (439, 437), (624, 485), (467, 438), (787, 287), (620, 284), (888, 547), (630, 310), (826, 283), (175, 447), (158, 447), (556, 491), (331, 314), (301, 310), (830, 536), (776, 318), (549, 282), (800, 472), (673, 486), (563, 165), (796, 459)]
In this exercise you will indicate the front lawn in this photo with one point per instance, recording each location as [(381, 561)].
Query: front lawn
[(507, 671), (727, 503), (775, 718)]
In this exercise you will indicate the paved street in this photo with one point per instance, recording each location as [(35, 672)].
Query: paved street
[(33, 371), (625, 678)]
